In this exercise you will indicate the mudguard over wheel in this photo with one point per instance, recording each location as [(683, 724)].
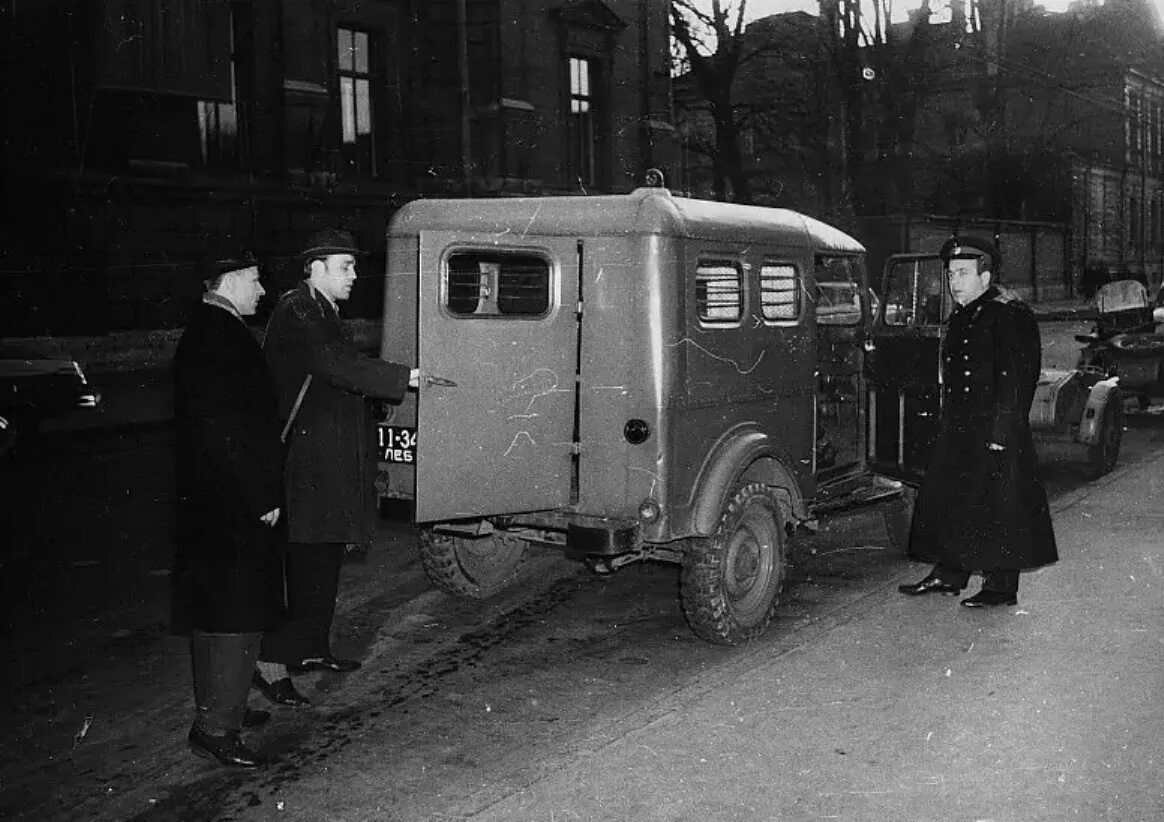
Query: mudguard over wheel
[(473, 567), (1105, 453), (731, 580), (898, 515)]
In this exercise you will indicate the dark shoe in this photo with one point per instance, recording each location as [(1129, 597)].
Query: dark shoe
[(227, 749), (325, 663), (254, 718), (991, 599), (281, 691), (929, 585)]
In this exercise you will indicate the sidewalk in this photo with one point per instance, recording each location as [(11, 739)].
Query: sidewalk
[(1051, 710)]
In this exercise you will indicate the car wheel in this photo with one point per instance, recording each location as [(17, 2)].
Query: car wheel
[(472, 567), (731, 580)]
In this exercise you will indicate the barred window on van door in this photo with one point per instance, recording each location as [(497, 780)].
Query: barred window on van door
[(719, 295), (779, 292), (488, 284)]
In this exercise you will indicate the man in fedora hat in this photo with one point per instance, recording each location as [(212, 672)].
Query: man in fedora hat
[(982, 508), (324, 382), (228, 575)]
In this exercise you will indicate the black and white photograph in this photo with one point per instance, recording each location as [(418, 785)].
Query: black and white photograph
[(582, 410)]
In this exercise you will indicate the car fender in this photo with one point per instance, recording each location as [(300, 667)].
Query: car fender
[(1101, 394), (744, 452)]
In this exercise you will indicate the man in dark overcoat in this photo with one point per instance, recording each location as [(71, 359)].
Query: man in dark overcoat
[(324, 382), (228, 566), (982, 507)]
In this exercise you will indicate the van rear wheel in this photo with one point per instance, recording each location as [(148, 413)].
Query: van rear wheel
[(472, 567), (731, 580)]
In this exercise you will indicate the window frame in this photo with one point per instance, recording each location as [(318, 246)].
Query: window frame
[(582, 126), (213, 152), (715, 262), (797, 290), (553, 281), (854, 278), (352, 153)]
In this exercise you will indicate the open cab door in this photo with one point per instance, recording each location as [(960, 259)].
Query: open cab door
[(904, 365)]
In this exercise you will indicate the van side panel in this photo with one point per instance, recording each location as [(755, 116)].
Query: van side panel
[(627, 373), (756, 374)]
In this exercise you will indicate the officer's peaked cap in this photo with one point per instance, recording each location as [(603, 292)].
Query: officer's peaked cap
[(971, 248)]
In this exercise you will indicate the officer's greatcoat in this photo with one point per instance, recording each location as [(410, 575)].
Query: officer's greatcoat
[(978, 509), (331, 496)]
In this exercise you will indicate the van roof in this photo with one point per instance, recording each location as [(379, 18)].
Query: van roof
[(641, 212)]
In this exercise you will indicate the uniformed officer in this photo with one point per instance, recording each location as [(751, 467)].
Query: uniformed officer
[(982, 507)]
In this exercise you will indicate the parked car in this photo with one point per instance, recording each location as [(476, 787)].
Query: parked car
[(37, 382)]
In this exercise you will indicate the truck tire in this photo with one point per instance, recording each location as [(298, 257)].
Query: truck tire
[(1105, 453), (898, 515), (471, 567), (731, 580)]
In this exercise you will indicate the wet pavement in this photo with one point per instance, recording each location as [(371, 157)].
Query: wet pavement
[(921, 710), (581, 697)]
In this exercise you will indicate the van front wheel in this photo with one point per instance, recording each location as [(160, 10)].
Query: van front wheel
[(473, 567), (731, 580)]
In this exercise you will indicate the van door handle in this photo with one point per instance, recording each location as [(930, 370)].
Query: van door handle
[(439, 381)]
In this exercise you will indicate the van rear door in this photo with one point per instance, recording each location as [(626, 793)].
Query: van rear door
[(498, 319)]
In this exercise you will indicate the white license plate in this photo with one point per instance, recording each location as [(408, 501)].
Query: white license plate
[(396, 443)]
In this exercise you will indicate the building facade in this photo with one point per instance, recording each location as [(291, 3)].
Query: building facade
[(141, 134), (1053, 121)]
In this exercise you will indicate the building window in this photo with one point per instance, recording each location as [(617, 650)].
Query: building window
[(354, 67), (1135, 126), (218, 127), (581, 121), (1154, 137), (1134, 224), (719, 292), (219, 122)]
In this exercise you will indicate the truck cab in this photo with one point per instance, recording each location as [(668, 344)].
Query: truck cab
[(627, 377)]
